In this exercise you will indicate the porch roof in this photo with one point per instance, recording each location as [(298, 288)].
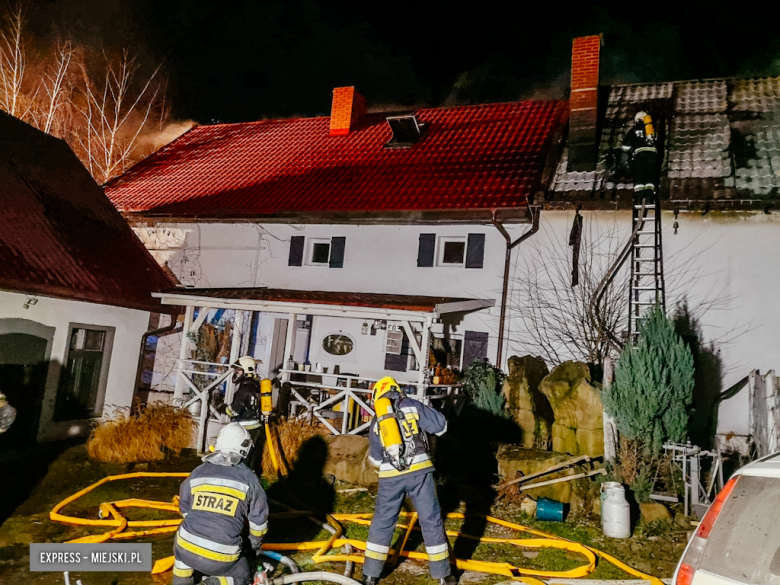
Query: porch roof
[(337, 304)]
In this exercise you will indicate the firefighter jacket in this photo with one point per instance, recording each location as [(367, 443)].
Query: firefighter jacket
[(217, 502), (245, 408), (415, 420), (637, 140)]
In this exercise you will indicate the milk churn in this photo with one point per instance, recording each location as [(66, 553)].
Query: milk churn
[(615, 511)]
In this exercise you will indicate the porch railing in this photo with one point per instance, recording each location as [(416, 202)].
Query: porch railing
[(321, 402), (217, 374)]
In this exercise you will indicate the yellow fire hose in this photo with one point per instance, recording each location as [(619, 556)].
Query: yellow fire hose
[(118, 525)]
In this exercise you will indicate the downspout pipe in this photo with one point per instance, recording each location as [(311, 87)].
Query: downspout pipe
[(536, 211), (168, 329)]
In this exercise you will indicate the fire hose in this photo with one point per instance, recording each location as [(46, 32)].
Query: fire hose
[(120, 528), (118, 524)]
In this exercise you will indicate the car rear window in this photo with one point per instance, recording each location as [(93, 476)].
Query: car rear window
[(744, 544)]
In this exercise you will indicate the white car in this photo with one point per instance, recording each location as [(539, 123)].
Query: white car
[(738, 540)]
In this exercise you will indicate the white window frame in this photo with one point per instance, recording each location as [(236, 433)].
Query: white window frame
[(309, 251), (440, 245), (108, 347)]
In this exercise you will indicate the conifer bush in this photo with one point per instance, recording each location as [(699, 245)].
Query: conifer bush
[(482, 383), (653, 385)]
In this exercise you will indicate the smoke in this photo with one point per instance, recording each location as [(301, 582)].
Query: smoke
[(153, 140)]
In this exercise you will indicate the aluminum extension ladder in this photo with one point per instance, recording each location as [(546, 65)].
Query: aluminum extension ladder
[(646, 288)]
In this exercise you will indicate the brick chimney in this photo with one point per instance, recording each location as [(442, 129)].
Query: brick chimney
[(583, 150), (347, 109)]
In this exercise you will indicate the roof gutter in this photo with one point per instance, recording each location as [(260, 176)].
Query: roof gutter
[(536, 211), (162, 331)]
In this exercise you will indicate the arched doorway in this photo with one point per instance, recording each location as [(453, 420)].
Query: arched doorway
[(25, 350)]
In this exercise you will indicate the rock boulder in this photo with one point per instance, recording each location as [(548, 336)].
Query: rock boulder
[(576, 404), (528, 407)]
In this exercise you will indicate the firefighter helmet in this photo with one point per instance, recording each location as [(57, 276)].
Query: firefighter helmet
[(383, 386), (234, 438), (640, 116), (245, 367)]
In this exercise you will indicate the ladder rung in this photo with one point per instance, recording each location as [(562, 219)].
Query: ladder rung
[(645, 233), (645, 288), (644, 245), (646, 260), (651, 206), (644, 304)]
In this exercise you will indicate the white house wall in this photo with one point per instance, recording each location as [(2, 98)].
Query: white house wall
[(723, 264), (377, 259), (726, 266), (129, 326)]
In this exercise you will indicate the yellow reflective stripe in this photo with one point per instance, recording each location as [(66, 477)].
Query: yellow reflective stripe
[(204, 552), (224, 580), (177, 572), (230, 411), (415, 467), (376, 555), (438, 556), (258, 532), (219, 489)]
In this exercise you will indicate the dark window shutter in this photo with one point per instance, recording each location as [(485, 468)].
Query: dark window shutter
[(475, 251), (337, 246), (425, 252), (475, 346), (398, 363), (296, 251)]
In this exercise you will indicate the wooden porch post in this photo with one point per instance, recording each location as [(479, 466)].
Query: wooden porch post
[(178, 392), (235, 349), (425, 348), (289, 342)]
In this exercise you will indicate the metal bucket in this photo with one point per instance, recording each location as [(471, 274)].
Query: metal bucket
[(549, 510)]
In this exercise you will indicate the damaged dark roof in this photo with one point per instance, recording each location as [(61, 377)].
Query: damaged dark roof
[(721, 142), (60, 236)]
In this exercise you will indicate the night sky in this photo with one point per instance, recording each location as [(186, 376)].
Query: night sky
[(236, 60)]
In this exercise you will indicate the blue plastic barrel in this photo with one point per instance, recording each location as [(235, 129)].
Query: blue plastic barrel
[(549, 510)]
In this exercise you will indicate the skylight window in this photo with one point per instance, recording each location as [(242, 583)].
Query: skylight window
[(407, 131)]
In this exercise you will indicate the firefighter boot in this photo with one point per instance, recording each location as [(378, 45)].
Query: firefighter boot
[(370, 580), (449, 580)]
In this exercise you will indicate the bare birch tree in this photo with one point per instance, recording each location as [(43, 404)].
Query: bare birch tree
[(115, 113), (102, 107), (12, 62)]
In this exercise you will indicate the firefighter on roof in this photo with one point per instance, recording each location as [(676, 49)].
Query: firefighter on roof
[(640, 144), (217, 501), (245, 407), (399, 447)]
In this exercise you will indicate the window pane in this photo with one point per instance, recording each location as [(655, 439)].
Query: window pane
[(453, 252), (94, 340), (320, 253)]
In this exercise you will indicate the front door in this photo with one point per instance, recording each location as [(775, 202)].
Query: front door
[(23, 371)]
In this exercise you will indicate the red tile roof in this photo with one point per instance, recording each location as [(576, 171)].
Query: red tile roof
[(471, 158), (59, 235)]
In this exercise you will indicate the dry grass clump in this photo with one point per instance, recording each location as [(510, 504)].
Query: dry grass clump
[(148, 435), (289, 435)]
